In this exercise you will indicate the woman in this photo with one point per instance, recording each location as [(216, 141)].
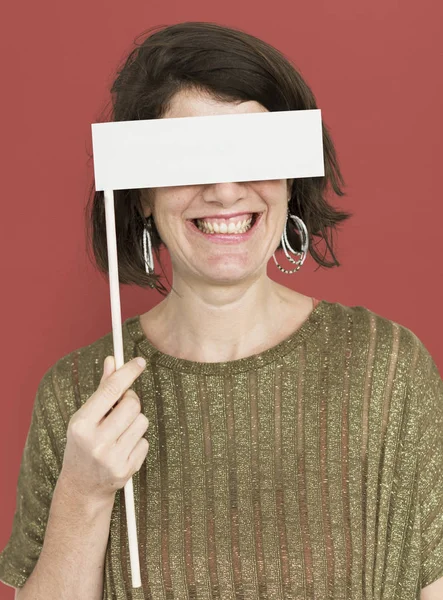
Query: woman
[(295, 446)]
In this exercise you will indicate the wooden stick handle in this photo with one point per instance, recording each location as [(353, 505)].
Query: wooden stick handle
[(117, 337)]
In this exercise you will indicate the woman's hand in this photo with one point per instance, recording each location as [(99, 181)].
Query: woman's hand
[(105, 444)]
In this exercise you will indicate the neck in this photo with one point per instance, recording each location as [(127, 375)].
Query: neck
[(223, 323)]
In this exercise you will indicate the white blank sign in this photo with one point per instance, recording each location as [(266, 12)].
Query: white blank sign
[(207, 149)]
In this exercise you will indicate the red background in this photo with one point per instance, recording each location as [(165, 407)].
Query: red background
[(374, 69)]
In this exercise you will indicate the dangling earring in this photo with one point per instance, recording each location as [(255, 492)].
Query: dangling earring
[(149, 259), (285, 244)]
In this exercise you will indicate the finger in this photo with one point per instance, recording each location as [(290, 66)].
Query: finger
[(121, 415), (105, 369), (111, 389), (137, 457), (131, 440), (139, 454), (128, 435), (108, 367)]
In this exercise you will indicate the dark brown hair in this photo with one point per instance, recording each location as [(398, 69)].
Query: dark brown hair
[(232, 66)]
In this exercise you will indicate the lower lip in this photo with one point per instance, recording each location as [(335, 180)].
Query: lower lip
[(228, 238)]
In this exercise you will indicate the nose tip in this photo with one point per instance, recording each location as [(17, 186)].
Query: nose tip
[(225, 193)]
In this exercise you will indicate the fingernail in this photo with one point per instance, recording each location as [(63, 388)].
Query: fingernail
[(140, 361)]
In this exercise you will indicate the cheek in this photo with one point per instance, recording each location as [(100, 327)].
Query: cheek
[(169, 205), (270, 189)]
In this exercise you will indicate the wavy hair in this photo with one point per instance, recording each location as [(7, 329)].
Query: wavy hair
[(232, 66)]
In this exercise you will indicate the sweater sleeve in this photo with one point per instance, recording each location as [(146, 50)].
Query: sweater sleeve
[(430, 464), (39, 468)]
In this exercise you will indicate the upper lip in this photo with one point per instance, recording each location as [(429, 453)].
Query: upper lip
[(249, 212)]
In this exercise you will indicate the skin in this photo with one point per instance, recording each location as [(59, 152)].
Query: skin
[(226, 307), (433, 591)]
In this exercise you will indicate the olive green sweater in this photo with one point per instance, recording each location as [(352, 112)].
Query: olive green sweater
[(311, 470)]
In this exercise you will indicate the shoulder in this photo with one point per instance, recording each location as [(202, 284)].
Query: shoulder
[(377, 336), (76, 375)]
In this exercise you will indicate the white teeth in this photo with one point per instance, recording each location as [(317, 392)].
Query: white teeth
[(240, 227)]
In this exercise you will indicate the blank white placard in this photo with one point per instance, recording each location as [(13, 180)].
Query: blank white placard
[(207, 149)]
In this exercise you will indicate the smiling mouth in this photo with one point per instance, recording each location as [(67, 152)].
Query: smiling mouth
[(253, 220)]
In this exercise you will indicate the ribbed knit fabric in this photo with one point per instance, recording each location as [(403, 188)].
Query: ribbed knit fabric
[(311, 470)]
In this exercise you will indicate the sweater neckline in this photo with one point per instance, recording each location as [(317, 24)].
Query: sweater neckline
[(151, 353)]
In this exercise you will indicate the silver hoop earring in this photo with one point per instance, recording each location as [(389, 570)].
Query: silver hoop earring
[(285, 244), (147, 253)]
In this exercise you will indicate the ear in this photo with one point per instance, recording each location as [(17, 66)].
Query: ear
[(145, 202)]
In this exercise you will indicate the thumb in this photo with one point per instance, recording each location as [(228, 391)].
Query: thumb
[(108, 367)]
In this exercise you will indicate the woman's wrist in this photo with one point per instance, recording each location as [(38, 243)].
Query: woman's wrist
[(68, 493)]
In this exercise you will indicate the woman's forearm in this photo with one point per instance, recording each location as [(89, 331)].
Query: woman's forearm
[(71, 562)]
